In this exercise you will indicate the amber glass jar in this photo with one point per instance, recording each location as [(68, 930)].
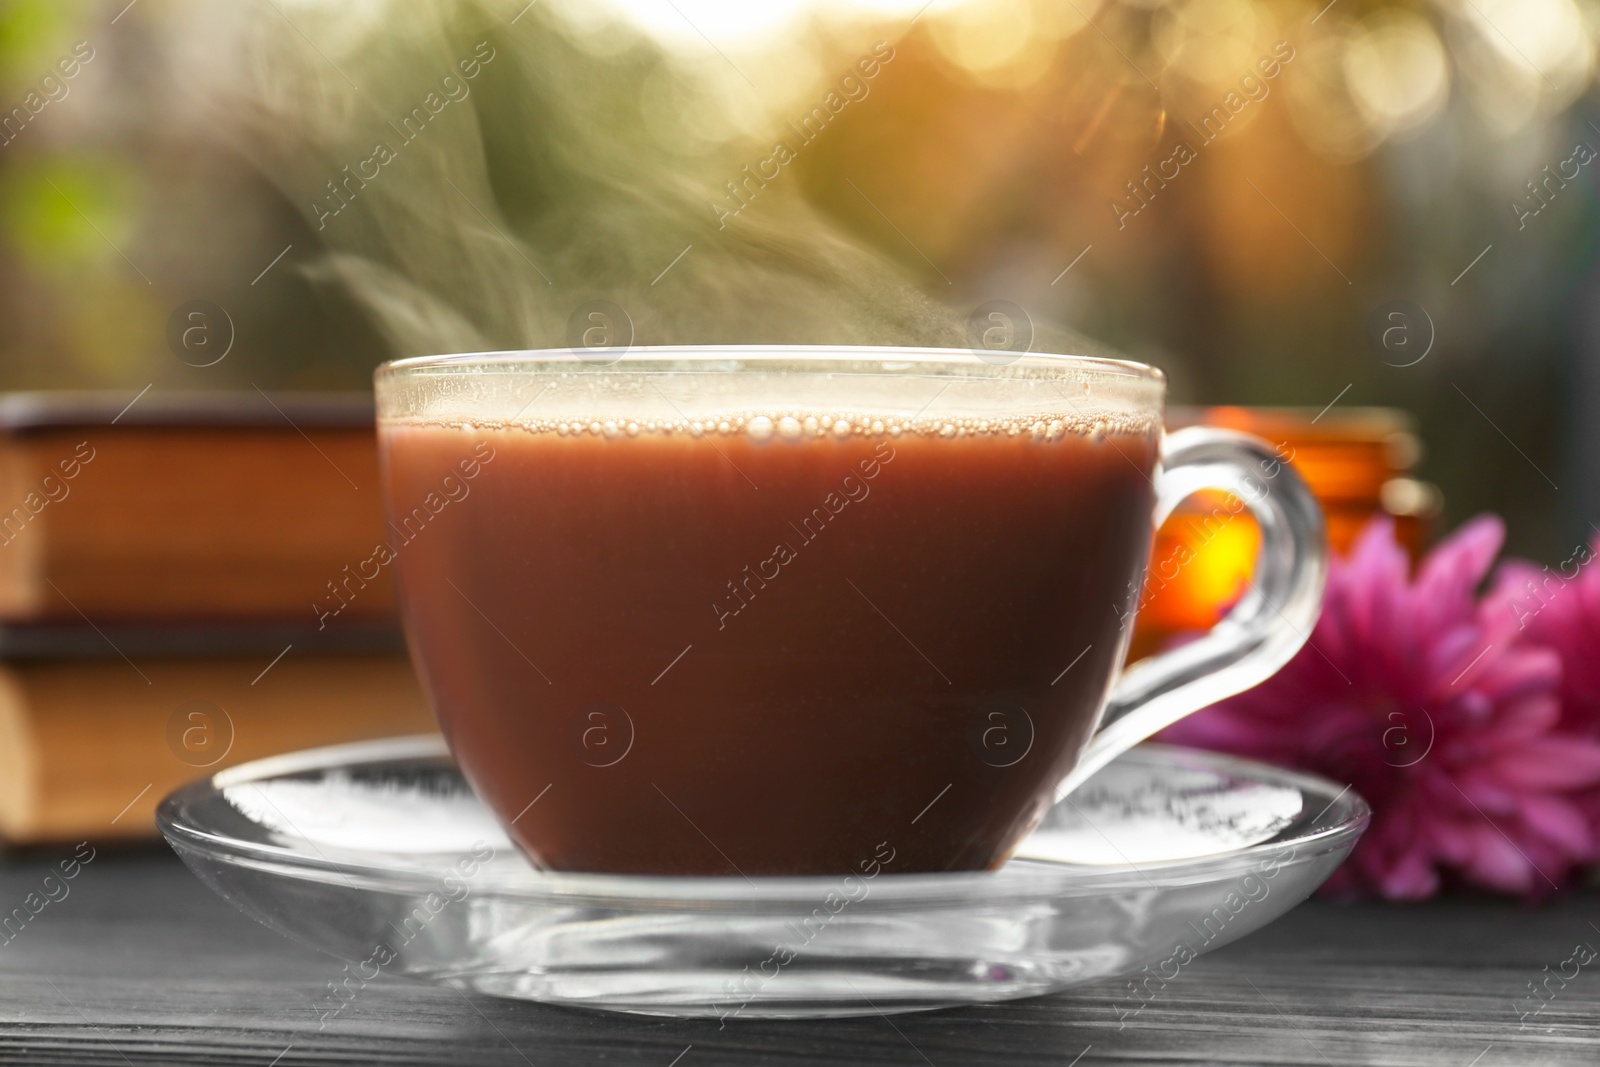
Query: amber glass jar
[(1357, 462)]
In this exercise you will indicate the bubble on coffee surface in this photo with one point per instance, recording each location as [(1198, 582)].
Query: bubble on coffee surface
[(801, 425)]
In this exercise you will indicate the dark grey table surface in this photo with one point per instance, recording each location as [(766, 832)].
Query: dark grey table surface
[(140, 964)]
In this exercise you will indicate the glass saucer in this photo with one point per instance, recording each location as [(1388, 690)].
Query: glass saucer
[(380, 855)]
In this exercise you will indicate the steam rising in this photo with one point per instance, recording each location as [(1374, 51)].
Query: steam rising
[(477, 180)]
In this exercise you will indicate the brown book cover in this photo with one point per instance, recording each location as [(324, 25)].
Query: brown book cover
[(191, 508), (77, 638), (87, 749)]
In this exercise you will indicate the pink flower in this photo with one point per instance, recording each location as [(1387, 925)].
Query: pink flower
[(1559, 608), (1435, 708)]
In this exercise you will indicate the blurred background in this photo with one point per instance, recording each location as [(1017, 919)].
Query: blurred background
[(1280, 203)]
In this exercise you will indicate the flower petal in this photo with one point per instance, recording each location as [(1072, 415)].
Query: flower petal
[(1497, 863), (1548, 764), (1520, 673), (1560, 823), (1449, 577)]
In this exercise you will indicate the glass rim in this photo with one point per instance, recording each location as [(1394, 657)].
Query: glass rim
[(789, 358)]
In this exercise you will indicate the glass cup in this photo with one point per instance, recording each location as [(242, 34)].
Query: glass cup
[(801, 610)]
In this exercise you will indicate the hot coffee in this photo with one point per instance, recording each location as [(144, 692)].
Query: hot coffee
[(751, 610), (783, 642)]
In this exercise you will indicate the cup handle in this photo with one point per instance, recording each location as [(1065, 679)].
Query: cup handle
[(1268, 625)]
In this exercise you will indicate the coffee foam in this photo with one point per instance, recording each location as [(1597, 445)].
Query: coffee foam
[(792, 425)]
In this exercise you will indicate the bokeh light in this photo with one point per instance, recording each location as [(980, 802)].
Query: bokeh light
[(1396, 70)]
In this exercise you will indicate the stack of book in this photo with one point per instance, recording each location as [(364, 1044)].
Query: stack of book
[(185, 582)]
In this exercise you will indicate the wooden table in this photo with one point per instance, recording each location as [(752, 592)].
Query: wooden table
[(140, 963)]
